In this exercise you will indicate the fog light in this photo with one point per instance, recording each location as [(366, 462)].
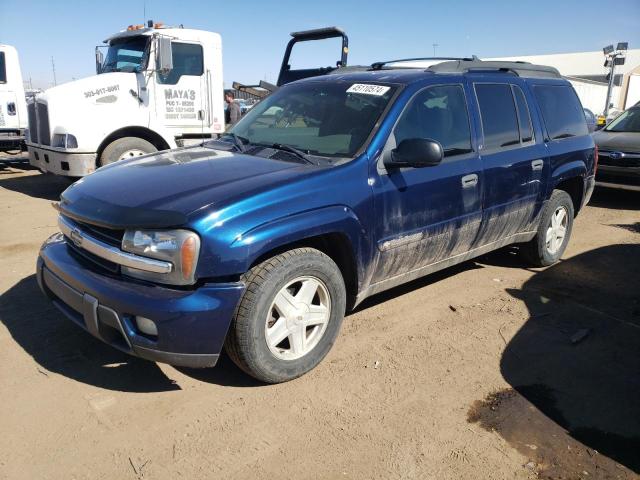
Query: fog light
[(146, 326)]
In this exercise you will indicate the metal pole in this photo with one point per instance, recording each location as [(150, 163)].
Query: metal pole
[(53, 67), (610, 85)]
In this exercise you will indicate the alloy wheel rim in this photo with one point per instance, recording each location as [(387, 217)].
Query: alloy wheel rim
[(557, 230), (297, 318), (134, 152)]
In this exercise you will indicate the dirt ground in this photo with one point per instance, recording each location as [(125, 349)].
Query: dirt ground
[(489, 370)]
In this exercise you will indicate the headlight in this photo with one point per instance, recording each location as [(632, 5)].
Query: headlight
[(64, 140), (180, 247), (27, 135)]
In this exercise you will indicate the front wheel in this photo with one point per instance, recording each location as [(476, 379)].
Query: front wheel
[(124, 149), (289, 315), (554, 231)]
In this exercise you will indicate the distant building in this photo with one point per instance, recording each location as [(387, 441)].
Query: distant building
[(587, 73)]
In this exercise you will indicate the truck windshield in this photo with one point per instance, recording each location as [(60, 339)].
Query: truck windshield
[(126, 55), (329, 119), (629, 121)]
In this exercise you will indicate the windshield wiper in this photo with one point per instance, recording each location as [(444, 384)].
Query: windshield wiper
[(296, 151), (456, 151), (238, 142)]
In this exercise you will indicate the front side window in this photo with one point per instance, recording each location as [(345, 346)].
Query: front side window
[(330, 119), (3, 69), (498, 114), (629, 121), (187, 60), (561, 111), (437, 113), (126, 55)]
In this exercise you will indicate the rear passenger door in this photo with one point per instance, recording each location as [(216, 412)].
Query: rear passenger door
[(513, 161), (425, 215)]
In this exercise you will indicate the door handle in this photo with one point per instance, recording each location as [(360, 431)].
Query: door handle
[(469, 181), (537, 165)]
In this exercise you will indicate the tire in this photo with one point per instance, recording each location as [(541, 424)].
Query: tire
[(541, 251), (123, 148), (261, 317)]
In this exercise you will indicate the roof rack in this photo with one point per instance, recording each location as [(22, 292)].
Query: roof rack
[(379, 65), (521, 69)]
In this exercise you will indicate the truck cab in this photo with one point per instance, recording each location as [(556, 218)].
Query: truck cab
[(13, 107), (155, 88)]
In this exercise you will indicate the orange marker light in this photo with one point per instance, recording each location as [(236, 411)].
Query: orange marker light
[(188, 257)]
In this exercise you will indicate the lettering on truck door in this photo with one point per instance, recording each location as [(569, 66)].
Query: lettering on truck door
[(179, 93)]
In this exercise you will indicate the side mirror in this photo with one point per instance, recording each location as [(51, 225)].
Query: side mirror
[(164, 60), (417, 153), (99, 60)]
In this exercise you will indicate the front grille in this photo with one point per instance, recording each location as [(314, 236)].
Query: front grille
[(605, 159), (33, 124), (106, 235), (43, 124)]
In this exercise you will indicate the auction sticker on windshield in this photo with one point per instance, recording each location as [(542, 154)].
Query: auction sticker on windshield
[(368, 89)]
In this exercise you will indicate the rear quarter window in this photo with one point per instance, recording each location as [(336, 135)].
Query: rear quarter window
[(561, 111)]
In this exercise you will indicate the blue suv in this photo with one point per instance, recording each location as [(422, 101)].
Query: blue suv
[(330, 190)]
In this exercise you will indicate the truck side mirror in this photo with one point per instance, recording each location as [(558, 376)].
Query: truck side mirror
[(417, 153), (99, 60), (164, 60)]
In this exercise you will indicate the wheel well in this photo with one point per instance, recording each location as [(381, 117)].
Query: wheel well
[(575, 188), (141, 132), (337, 247)]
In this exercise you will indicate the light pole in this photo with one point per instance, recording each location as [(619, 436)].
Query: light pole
[(613, 56)]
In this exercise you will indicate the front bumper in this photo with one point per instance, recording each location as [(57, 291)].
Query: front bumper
[(618, 177), (61, 163), (191, 324)]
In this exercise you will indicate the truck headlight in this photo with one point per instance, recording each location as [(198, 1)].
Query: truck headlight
[(180, 247), (64, 140), (27, 135)]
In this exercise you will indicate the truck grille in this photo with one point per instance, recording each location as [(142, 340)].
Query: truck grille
[(43, 123), (106, 235), (33, 124), (631, 160)]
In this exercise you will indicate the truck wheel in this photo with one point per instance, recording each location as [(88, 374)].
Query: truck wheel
[(124, 148), (554, 231), (289, 315)]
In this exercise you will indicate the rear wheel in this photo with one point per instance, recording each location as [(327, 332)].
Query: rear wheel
[(554, 231), (289, 315), (125, 148)]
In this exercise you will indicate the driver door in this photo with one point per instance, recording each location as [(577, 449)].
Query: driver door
[(426, 215), (179, 94)]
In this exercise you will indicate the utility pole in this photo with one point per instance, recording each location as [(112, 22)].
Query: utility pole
[(613, 57), (53, 68), (435, 45)]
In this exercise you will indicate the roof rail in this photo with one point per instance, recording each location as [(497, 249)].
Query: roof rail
[(379, 65), (522, 69)]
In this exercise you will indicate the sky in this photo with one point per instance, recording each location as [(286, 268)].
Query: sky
[(254, 34)]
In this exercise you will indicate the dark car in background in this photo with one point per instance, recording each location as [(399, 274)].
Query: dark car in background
[(619, 147)]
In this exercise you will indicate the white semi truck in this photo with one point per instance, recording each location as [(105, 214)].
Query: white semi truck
[(13, 107), (155, 88)]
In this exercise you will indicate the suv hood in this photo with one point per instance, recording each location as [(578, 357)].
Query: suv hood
[(623, 141), (161, 190)]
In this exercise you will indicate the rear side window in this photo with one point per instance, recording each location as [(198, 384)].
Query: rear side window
[(524, 119), (561, 111), (437, 113), (3, 69), (499, 118)]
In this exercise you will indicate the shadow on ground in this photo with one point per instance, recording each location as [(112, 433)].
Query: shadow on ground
[(59, 346), (39, 185), (615, 199), (577, 362)]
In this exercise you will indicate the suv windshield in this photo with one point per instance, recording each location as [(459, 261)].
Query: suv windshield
[(126, 55), (629, 121), (329, 119)]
